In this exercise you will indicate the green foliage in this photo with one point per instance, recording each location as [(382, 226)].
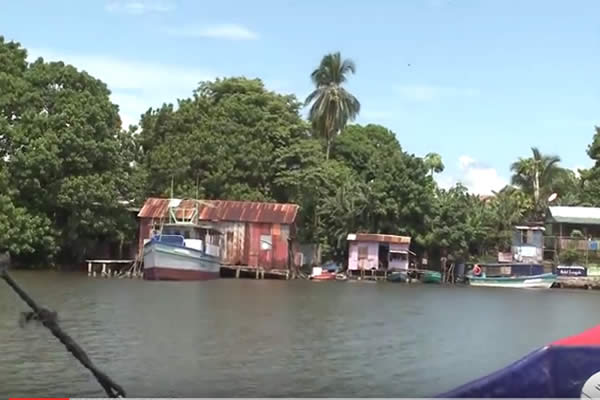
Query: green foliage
[(63, 157), (433, 162), (536, 176), (228, 141), (399, 191), (24, 235), (570, 257), (590, 179), (450, 226), (577, 234)]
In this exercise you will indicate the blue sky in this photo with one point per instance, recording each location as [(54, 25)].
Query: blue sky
[(478, 81)]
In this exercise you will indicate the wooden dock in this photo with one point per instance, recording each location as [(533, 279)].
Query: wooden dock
[(110, 268), (577, 282), (367, 274), (245, 272)]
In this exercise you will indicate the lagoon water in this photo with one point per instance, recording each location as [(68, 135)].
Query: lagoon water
[(275, 338)]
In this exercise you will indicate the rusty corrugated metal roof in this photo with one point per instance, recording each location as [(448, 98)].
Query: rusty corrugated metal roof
[(375, 237), (224, 210)]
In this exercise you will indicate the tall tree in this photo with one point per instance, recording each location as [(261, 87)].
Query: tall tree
[(64, 154), (508, 208), (535, 175), (434, 163), (590, 178), (226, 142), (332, 105), (398, 189)]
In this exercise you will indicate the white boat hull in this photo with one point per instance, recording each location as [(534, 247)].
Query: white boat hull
[(533, 282), (168, 262)]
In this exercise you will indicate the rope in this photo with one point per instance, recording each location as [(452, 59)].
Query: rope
[(48, 319)]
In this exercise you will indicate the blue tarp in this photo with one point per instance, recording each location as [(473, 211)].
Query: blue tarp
[(549, 372), (558, 370)]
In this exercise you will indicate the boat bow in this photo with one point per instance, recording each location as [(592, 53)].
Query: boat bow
[(567, 368)]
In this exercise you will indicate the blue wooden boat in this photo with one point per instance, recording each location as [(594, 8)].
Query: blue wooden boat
[(523, 276), (567, 368)]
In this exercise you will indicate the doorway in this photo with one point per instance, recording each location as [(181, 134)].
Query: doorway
[(384, 256)]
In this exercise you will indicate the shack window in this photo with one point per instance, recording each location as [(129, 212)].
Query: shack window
[(524, 237), (266, 242), (363, 252), (398, 256)]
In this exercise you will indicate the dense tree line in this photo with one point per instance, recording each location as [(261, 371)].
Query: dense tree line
[(69, 169)]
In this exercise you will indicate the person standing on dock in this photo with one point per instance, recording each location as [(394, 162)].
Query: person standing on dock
[(443, 265)]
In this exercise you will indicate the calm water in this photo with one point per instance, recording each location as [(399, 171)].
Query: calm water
[(275, 338)]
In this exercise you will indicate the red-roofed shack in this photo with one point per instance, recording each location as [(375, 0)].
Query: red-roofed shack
[(253, 234)]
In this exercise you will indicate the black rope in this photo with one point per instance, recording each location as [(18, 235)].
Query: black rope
[(48, 318)]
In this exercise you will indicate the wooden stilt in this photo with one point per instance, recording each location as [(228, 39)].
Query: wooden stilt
[(257, 273), (89, 269), (237, 273), (103, 270)]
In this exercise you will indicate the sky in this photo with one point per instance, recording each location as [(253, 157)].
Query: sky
[(478, 81)]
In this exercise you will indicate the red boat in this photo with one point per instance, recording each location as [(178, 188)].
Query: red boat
[(318, 274)]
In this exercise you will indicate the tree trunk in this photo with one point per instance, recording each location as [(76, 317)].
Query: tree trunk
[(328, 148), (536, 187)]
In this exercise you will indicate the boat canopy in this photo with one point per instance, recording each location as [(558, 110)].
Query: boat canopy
[(559, 370)]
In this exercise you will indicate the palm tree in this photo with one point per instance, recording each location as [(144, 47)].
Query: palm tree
[(433, 162), (535, 175), (332, 105)]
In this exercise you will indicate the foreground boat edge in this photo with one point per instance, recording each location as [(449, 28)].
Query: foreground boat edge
[(564, 369)]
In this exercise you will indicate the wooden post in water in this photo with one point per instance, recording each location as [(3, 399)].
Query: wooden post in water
[(89, 269)]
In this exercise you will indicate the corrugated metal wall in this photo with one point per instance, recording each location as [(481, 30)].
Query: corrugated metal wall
[(145, 226), (232, 247), (267, 245)]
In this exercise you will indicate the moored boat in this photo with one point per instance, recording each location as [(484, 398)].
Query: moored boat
[(341, 277), (567, 368), (397, 276), (522, 276), (182, 250), (431, 277), (543, 281), (166, 257), (318, 274)]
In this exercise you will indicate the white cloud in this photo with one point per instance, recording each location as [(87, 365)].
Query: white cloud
[(465, 162), (135, 86), (224, 31), (478, 178), (430, 93), (138, 7)]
